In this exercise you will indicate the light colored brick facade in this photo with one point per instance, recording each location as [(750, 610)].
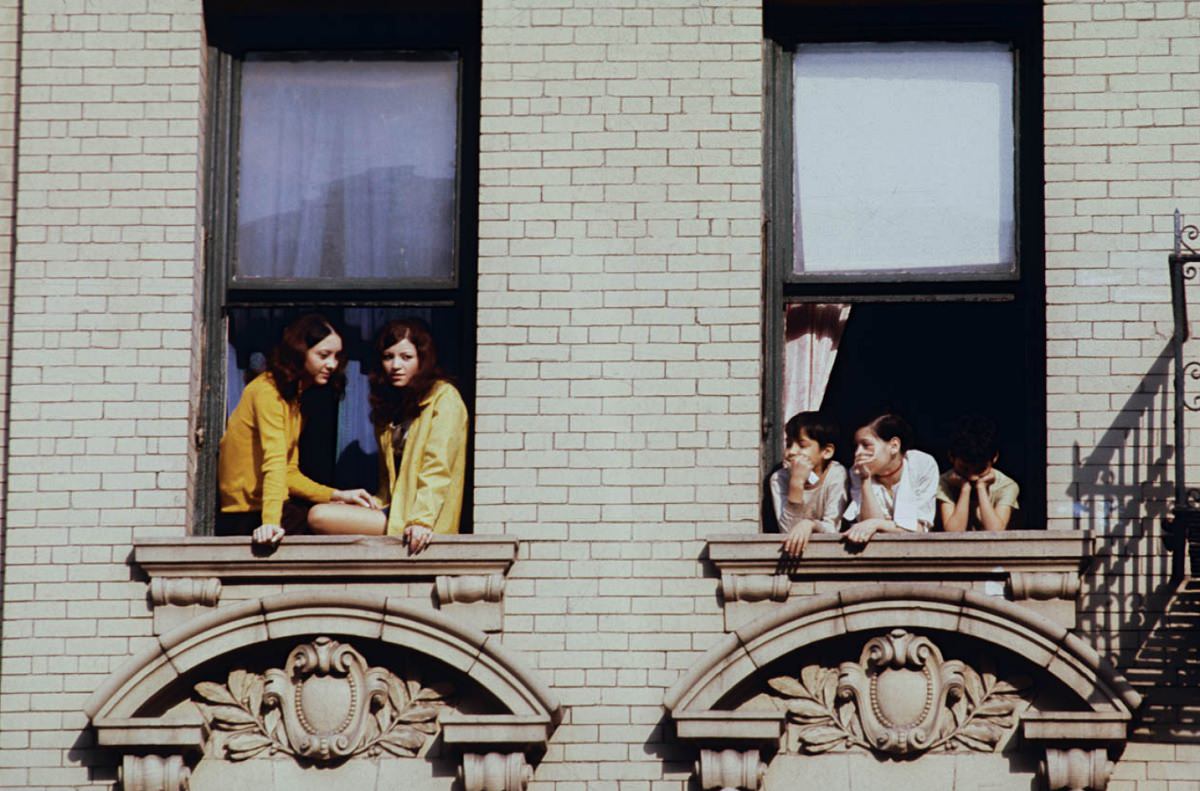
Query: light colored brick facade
[(619, 368)]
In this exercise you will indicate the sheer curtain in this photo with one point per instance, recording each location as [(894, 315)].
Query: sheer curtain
[(347, 168), (813, 331)]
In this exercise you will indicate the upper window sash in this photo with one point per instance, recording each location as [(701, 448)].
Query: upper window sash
[(885, 141), (330, 200)]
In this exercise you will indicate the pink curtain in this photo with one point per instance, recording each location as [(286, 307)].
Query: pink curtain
[(813, 331)]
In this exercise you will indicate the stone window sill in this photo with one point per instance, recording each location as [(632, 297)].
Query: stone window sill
[(461, 575), (1040, 569)]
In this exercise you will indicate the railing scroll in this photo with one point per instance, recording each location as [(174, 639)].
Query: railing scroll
[(1183, 262)]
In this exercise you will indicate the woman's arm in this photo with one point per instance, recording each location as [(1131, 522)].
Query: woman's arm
[(270, 423), (447, 438)]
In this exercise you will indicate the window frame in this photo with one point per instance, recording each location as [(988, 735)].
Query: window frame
[(362, 31), (1018, 24)]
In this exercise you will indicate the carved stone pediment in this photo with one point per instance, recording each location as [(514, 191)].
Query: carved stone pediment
[(901, 698), (324, 706)]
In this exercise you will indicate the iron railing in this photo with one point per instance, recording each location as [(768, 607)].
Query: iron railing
[(1183, 262)]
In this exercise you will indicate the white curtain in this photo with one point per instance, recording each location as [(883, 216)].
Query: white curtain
[(813, 331), (346, 169)]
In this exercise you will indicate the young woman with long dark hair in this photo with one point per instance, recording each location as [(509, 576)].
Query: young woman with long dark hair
[(421, 425), (259, 463)]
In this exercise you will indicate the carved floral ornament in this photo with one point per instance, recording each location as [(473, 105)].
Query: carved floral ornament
[(900, 698), (324, 706)]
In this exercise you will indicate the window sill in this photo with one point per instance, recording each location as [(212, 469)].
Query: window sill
[(460, 575), (1039, 569)]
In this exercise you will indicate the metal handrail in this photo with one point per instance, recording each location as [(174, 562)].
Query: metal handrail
[(1183, 262)]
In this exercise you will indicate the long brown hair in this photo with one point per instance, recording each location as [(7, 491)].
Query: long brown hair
[(286, 363), (391, 404)]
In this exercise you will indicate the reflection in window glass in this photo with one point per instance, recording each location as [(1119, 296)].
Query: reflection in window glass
[(904, 158), (346, 169)]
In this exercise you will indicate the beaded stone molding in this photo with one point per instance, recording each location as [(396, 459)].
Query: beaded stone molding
[(901, 698)]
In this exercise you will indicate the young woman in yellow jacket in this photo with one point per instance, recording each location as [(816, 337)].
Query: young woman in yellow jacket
[(421, 424), (259, 467)]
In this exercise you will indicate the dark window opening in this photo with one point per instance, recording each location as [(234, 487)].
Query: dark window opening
[(904, 227)]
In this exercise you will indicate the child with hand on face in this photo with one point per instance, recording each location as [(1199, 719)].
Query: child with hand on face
[(809, 491), (974, 495), (892, 486)]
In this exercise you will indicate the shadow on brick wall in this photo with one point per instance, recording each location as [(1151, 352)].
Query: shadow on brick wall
[(1133, 608)]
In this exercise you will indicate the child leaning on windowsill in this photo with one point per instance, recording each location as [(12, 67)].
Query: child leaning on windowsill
[(974, 495), (809, 492), (892, 485)]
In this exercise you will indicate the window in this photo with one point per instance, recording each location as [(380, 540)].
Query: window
[(339, 183), (903, 201)]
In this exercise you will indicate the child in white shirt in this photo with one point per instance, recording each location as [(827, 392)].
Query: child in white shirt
[(892, 487)]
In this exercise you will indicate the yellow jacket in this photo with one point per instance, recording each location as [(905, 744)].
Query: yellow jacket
[(428, 489), (259, 465)]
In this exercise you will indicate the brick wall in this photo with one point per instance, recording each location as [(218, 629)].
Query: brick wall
[(619, 347), (102, 354), (9, 55), (619, 341), (1122, 92)]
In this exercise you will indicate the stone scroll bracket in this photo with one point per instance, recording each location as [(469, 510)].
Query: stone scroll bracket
[(496, 749), (495, 772), (154, 773), (473, 599), (731, 745), (730, 770), (157, 755), (1052, 594), (191, 576), (748, 596), (1076, 769), (1077, 745), (177, 600)]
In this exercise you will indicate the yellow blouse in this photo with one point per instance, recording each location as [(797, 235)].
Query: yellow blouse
[(259, 465), (428, 488)]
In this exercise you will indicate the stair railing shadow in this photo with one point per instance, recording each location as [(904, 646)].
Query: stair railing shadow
[(1133, 604)]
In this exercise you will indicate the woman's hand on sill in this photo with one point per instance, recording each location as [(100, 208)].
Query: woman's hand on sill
[(417, 537), (267, 535)]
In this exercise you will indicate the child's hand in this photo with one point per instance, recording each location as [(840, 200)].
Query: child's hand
[(795, 541), (861, 459), (863, 531), (799, 468), (984, 482)]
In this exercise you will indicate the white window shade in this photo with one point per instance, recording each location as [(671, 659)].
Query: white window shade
[(904, 158)]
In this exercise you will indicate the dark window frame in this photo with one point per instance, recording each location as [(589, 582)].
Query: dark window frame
[(304, 30), (1018, 24)]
